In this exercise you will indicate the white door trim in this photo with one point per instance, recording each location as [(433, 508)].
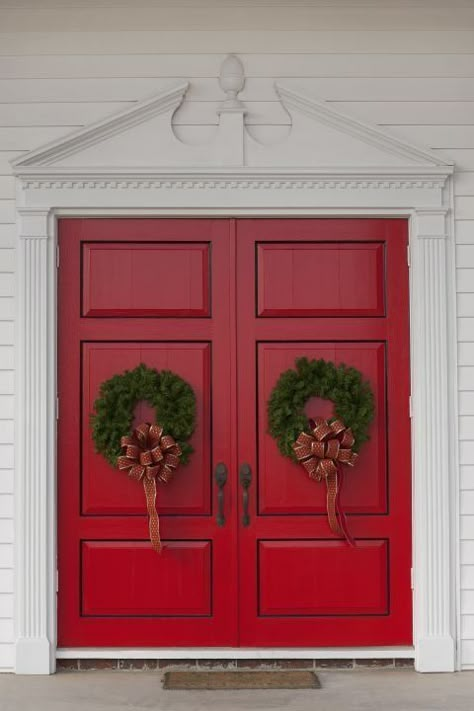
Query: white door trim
[(435, 483), (419, 189)]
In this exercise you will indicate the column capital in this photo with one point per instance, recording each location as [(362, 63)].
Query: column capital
[(34, 223), (431, 223)]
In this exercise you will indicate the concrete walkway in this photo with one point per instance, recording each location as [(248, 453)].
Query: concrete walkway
[(376, 690)]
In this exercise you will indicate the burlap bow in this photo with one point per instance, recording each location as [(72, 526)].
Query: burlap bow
[(149, 455), (321, 453)]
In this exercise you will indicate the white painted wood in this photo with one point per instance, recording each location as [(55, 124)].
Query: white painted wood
[(465, 304), (466, 450), (189, 66), (466, 377), (466, 403), (6, 603), (6, 582), (465, 207), (6, 435), (466, 431), (6, 531), (7, 657), (256, 89), (432, 288), (245, 41), (6, 487), (466, 328), (464, 233), (6, 284), (54, 113), (6, 556), (465, 280), (467, 552), (35, 535), (237, 653), (6, 506), (7, 403), (465, 353), (237, 17)]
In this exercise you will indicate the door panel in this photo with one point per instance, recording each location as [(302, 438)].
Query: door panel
[(189, 492), (299, 584), (350, 279), (281, 487), (134, 291), (310, 594)]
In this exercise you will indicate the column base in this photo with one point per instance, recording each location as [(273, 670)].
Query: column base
[(34, 656), (435, 654)]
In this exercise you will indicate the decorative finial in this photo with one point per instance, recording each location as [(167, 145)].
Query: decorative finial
[(231, 81)]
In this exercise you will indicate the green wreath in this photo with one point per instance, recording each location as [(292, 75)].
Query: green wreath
[(352, 397), (172, 398)]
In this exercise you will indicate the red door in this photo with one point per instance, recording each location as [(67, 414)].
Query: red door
[(228, 305), (133, 291)]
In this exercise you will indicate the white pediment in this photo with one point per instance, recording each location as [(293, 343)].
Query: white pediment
[(142, 138)]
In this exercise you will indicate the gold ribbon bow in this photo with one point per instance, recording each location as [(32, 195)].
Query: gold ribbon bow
[(149, 455), (321, 453)]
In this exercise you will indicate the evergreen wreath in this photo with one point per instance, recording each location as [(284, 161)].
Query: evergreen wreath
[(352, 397), (172, 398)]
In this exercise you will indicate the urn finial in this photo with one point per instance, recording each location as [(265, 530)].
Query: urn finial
[(231, 81)]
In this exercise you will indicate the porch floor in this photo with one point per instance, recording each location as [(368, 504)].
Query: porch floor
[(400, 690)]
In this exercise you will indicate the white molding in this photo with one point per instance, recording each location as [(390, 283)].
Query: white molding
[(237, 653), (372, 135), (420, 191), (35, 487), (167, 101)]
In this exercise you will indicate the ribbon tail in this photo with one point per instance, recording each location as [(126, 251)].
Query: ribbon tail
[(331, 498), (153, 522), (340, 513)]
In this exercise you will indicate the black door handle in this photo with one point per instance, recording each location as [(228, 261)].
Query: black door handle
[(221, 478), (245, 480)]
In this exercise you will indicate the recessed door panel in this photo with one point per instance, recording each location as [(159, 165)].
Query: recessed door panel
[(145, 279), (106, 491), (284, 487), (312, 578), (127, 578), (320, 279)]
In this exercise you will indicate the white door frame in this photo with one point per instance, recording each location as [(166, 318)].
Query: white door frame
[(407, 182)]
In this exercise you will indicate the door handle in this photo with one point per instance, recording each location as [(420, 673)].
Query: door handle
[(245, 475), (221, 478)]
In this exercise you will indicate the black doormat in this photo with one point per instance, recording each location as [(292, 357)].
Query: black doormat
[(241, 680)]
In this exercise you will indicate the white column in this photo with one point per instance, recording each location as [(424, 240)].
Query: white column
[(433, 378), (35, 493)]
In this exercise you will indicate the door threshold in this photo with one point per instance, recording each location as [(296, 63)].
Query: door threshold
[(405, 652)]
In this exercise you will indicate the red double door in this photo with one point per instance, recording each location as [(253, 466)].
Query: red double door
[(228, 305)]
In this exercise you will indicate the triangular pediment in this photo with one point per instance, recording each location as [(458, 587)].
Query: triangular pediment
[(142, 138)]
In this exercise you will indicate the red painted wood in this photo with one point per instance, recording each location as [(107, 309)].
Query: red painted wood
[(282, 488), (298, 585), (133, 279), (100, 511), (350, 279), (176, 583), (327, 570), (105, 493), (287, 508)]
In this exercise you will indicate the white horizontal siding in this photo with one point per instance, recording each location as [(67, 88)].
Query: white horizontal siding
[(359, 56)]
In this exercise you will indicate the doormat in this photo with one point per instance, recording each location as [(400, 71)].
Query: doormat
[(241, 680)]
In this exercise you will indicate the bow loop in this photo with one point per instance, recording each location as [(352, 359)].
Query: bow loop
[(321, 453), (149, 455)]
